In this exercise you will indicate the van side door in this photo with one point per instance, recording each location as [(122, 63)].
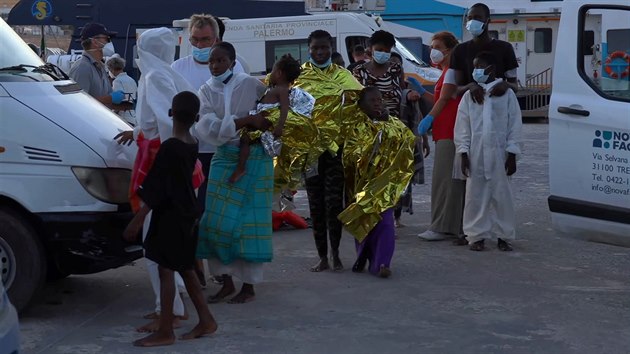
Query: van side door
[(589, 122)]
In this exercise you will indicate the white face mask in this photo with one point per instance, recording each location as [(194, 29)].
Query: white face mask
[(108, 50), (475, 27), (436, 56), (480, 76)]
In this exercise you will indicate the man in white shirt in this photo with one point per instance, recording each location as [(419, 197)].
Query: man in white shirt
[(205, 31)]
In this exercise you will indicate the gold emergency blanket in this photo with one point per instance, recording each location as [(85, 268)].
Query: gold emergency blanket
[(378, 165), (333, 87), (300, 147)]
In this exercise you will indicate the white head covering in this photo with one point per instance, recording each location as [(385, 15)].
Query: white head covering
[(156, 47), (156, 52)]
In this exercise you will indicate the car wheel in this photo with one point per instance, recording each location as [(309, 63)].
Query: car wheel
[(22, 259)]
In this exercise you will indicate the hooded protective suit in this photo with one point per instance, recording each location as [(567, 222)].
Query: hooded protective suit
[(487, 133), (158, 84)]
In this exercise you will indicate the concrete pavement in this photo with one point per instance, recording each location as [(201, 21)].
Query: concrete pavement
[(551, 295)]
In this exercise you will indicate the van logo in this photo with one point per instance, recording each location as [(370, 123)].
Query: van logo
[(607, 139), (41, 9)]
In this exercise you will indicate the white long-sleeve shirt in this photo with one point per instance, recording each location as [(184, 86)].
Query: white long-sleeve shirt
[(488, 132), (222, 103)]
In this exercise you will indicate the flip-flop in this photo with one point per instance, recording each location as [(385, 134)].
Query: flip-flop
[(151, 316), (504, 246), (217, 299), (478, 246)]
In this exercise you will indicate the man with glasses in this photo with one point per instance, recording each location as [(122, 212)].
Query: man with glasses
[(90, 71), (205, 32)]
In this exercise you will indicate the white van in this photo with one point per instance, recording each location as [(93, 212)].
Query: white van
[(261, 41), (63, 179), (589, 122)]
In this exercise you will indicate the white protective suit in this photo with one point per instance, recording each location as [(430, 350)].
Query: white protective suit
[(488, 132), (157, 86), (221, 104)]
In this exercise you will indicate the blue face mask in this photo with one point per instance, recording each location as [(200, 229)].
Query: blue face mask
[(223, 77), (201, 55), (381, 57), (475, 27), (480, 76), (321, 66)]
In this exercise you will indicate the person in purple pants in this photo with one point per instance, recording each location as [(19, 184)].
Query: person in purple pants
[(378, 164)]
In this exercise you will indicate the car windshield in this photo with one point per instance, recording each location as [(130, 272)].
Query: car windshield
[(18, 59), (405, 53)]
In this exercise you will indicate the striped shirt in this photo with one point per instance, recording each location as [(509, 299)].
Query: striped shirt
[(388, 84)]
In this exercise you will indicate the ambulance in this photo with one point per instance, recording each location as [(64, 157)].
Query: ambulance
[(589, 122), (262, 41)]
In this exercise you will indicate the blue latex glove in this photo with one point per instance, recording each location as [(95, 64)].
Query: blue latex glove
[(425, 124), (117, 97), (416, 85)]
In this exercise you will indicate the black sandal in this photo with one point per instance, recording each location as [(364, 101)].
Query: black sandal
[(478, 246), (460, 241), (504, 246)]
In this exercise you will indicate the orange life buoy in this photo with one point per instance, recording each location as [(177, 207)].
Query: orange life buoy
[(617, 55)]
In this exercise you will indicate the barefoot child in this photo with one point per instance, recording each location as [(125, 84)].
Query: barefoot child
[(487, 138), (171, 242), (284, 73)]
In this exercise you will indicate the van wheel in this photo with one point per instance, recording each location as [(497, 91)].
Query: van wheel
[(22, 259)]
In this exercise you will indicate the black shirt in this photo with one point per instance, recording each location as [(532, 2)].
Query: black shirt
[(464, 53), (171, 241)]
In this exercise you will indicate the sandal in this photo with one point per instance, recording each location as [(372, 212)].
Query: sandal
[(478, 246), (504, 246), (460, 241)]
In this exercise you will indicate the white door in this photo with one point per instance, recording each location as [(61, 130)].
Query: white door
[(589, 134), (542, 36)]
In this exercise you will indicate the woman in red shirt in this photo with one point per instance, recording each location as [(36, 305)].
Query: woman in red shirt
[(447, 194)]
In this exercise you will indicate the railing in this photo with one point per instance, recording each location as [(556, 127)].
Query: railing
[(344, 5), (538, 91)]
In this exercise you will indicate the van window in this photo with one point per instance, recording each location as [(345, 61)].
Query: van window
[(353, 41), (618, 40), (542, 40), (608, 73), (298, 48), (18, 62)]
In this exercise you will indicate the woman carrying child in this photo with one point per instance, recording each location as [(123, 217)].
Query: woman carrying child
[(293, 138), (235, 230)]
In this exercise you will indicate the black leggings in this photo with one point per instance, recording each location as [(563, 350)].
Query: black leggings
[(325, 199)]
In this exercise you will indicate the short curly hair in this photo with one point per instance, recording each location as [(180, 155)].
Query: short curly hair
[(367, 90), (383, 37), (289, 67), (228, 48), (319, 34)]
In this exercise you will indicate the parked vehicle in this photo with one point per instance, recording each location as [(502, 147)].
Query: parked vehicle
[(261, 41), (63, 178), (589, 122)]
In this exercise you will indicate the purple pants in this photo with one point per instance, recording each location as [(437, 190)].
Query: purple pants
[(378, 246)]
